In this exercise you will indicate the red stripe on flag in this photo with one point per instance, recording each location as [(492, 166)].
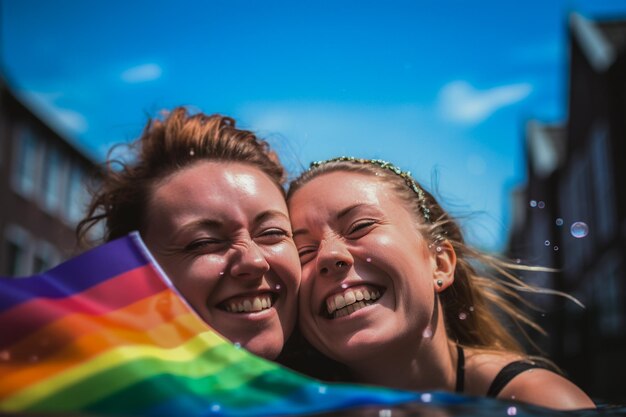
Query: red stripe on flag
[(116, 292)]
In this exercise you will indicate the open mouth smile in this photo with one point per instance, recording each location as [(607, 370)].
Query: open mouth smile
[(350, 300), (248, 304)]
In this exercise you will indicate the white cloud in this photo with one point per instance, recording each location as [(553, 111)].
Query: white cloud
[(71, 119), (460, 102), (67, 121), (142, 73)]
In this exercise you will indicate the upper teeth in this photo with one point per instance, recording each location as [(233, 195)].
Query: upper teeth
[(249, 304), (349, 297)]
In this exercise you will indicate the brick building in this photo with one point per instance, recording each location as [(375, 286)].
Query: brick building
[(572, 212), (42, 189)]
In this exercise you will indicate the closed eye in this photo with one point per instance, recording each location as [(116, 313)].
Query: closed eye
[(271, 236), (360, 228), (203, 245), (306, 254)]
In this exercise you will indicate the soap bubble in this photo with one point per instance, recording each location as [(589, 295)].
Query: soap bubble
[(579, 230), (533, 203), (559, 221), (427, 397), (511, 411), (547, 243), (462, 315), (541, 204)]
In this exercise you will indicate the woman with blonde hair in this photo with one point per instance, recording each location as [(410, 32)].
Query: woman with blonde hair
[(208, 200), (391, 291)]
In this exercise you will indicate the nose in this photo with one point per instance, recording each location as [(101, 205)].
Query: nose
[(250, 262), (333, 257)]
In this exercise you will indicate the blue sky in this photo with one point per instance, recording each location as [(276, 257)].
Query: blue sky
[(441, 88)]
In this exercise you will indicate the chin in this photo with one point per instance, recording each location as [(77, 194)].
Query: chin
[(265, 347), (358, 348)]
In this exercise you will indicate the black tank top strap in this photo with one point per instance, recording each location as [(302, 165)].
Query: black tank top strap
[(460, 370), (507, 373)]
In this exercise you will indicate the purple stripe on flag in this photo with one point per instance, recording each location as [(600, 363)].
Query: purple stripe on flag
[(77, 274)]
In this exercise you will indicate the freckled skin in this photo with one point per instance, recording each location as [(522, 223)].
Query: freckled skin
[(388, 253), (221, 231)]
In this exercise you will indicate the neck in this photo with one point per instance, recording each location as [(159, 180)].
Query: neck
[(428, 365)]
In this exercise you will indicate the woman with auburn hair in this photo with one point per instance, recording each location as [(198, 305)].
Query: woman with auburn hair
[(208, 200), (391, 291)]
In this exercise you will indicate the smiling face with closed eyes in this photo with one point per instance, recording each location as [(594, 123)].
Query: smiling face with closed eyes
[(368, 274), (221, 232)]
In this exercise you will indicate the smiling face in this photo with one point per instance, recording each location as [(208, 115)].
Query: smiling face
[(221, 232), (368, 276)]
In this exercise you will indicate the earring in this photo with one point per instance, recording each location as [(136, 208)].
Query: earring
[(440, 283)]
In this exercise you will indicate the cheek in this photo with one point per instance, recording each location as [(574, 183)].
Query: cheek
[(306, 295), (194, 277), (284, 261)]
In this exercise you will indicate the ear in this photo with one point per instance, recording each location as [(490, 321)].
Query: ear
[(444, 265)]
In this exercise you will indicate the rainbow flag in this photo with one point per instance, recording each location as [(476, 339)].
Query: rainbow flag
[(107, 334)]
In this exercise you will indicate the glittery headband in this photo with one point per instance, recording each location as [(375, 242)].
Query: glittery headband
[(406, 176)]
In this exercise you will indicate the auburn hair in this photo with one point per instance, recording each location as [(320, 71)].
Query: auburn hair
[(168, 144)]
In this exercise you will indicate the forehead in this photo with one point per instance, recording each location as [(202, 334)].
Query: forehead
[(327, 194), (216, 185), (344, 186)]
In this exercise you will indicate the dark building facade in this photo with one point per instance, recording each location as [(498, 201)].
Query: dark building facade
[(571, 214), (42, 190)]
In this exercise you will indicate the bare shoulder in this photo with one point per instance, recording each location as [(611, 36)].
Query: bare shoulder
[(535, 386), (481, 367), (548, 389)]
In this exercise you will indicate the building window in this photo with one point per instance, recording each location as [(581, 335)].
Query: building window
[(607, 291), (576, 206), (45, 257), (26, 162), (17, 251), (52, 180), (25, 256), (76, 197), (605, 217)]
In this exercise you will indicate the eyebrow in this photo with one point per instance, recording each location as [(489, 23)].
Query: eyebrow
[(344, 212), (201, 223), (341, 214), (269, 214), (208, 223)]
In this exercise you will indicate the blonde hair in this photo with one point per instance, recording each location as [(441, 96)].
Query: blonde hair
[(476, 295)]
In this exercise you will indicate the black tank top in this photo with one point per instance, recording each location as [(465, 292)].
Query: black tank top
[(505, 375)]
